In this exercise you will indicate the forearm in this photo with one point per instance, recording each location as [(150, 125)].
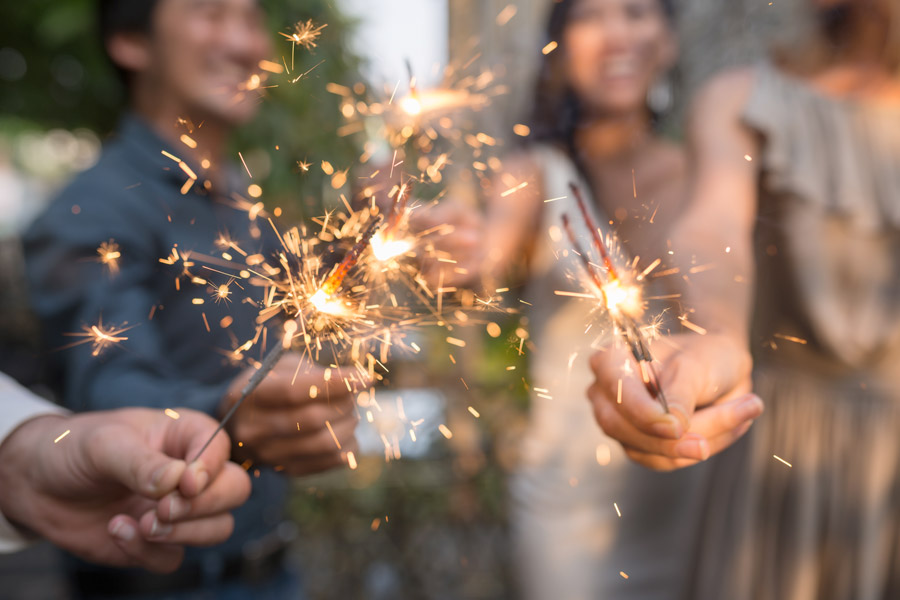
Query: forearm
[(717, 286), (713, 240), (20, 456)]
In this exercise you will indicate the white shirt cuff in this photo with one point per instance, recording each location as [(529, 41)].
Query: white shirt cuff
[(18, 405)]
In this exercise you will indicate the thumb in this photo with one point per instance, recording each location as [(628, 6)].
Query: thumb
[(126, 458), (705, 370)]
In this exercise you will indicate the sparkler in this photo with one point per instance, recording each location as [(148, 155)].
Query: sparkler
[(99, 336), (320, 300), (622, 301), (392, 240), (305, 34)]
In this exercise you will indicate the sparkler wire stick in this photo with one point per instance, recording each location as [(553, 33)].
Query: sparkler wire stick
[(331, 285), (625, 323)]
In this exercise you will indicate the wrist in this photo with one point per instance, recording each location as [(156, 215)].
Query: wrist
[(20, 466)]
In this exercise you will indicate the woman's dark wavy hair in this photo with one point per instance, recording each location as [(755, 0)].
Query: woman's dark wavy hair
[(556, 109)]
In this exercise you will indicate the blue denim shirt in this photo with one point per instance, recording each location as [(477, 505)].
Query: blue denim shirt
[(133, 197)]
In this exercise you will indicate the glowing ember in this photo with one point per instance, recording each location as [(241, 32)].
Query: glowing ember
[(109, 255), (623, 299), (386, 247), (411, 106), (326, 304), (99, 336), (305, 34)]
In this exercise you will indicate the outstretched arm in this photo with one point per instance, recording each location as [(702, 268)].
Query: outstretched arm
[(706, 377)]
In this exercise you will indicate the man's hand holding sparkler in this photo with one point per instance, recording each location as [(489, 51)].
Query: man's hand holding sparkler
[(457, 240), (706, 381), (300, 417), (115, 487)]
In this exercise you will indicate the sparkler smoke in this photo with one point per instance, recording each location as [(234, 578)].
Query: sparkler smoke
[(619, 298), (328, 288)]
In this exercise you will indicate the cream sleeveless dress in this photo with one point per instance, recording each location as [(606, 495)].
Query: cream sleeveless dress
[(569, 541), (827, 363)]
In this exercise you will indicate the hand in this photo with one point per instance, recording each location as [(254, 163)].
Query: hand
[(706, 380), (285, 421), (456, 238), (116, 490)]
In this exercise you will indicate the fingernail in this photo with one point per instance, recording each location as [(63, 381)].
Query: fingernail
[(178, 507), (696, 449), (667, 428), (750, 408), (123, 531), (159, 475), (201, 475), (158, 530)]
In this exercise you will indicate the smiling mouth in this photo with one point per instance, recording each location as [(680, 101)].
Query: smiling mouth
[(620, 67)]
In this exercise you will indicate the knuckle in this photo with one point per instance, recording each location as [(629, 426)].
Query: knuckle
[(606, 417)]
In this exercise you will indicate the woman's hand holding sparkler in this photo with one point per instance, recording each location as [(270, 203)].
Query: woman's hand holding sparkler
[(301, 418), (707, 383), (115, 487)]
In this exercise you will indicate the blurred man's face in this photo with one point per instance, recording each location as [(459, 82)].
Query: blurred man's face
[(205, 55)]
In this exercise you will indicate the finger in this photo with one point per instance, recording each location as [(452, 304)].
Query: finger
[(307, 419), (185, 437), (289, 386), (724, 440), (657, 462), (310, 465), (615, 425), (206, 531), (663, 463), (621, 385), (724, 417), (327, 439), (159, 558), (127, 458), (706, 370), (227, 491)]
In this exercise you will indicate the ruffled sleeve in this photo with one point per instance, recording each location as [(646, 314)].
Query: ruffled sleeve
[(839, 155)]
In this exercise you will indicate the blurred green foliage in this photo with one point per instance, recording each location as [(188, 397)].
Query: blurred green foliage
[(53, 74)]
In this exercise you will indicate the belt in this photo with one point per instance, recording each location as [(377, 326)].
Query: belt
[(188, 577)]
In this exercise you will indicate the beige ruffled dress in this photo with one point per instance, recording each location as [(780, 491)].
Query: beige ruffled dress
[(827, 359)]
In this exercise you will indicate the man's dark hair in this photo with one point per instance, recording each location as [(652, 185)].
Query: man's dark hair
[(117, 16), (123, 16)]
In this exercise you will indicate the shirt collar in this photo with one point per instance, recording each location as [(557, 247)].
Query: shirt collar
[(153, 155)]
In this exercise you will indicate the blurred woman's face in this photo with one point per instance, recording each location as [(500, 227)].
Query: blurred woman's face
[(615, 50)]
